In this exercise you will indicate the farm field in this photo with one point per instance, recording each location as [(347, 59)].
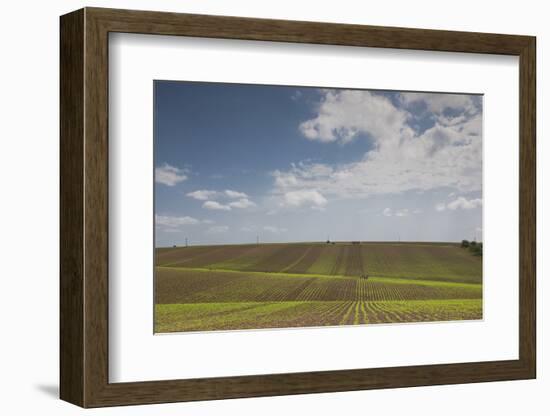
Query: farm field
[(314, 284)]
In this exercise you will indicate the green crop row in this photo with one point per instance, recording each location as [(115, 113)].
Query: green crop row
[(412, 261), (255, 315), (173, 285)]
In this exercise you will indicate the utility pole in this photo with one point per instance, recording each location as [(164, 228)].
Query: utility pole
[(257, 239), (186, 242)]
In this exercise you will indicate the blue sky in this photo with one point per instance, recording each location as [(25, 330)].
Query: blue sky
[(234, 162)]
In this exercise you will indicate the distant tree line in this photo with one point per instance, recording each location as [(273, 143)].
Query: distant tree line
[(475, 248)]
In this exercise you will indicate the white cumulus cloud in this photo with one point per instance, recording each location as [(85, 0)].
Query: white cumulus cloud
[(438, 103), (242, 203), (235, 194), (212, 199), (460, 203), (214, 205), (169, 175), (446, 155), (343, 114), (202, 194), (463, 203), (306, 197)]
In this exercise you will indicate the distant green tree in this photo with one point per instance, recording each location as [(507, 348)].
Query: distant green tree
[(477, 249), (473, 246)]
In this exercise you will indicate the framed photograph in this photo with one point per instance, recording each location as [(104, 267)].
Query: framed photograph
[(256, 207)]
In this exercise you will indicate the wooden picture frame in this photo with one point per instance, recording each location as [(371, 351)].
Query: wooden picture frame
[(84, 207)]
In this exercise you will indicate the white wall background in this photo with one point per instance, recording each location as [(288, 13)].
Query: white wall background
[(29, 211)]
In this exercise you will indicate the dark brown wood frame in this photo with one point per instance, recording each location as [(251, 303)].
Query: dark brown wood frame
[(84, 207)]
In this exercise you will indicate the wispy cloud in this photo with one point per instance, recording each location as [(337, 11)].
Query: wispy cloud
[(218, 229), (169, 223), (403, 212), (274, 230), (296, 95), (169, 175)]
